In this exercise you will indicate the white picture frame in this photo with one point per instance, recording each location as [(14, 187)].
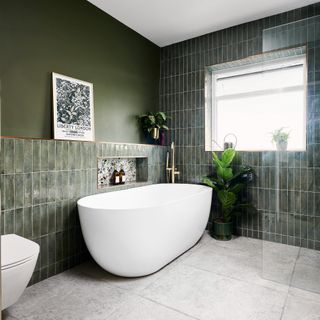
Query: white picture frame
[(73, 108)]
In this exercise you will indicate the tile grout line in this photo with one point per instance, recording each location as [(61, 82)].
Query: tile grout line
[(168, 307), (289, 286)]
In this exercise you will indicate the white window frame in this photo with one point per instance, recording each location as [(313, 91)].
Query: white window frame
[(245, 67)]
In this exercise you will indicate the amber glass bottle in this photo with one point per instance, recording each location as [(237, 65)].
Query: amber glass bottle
[(116, 177), (122, 176)]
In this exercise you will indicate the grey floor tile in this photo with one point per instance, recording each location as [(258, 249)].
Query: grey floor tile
[(206, 295), (302, 305), (70, 296), (213, 280), (138, 308), (227, 260), (91, 269), (278, 261), (252, 260), (307, 271)]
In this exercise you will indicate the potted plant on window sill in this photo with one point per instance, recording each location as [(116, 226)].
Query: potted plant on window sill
[(154, 123), (280, 138), (227, 187)]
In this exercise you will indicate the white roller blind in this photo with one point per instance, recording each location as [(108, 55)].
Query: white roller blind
[(253, 101)]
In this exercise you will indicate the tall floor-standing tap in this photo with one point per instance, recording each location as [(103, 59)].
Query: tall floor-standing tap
[(172, 171)]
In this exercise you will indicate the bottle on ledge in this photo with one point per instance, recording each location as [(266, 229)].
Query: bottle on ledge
[(122, 175), (116, 177)]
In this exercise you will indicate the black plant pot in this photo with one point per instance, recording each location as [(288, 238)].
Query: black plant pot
[(221, 230)]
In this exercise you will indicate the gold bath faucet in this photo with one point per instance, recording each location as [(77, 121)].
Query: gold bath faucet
[(171, 171)]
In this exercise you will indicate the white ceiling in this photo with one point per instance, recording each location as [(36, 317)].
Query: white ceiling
[(168, 21)]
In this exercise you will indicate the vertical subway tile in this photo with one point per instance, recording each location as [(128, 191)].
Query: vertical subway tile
[(44, 251), (27, 187), (51, 186), (8, 153), (43, 187), (27, 155), (36, 224), (51, 249), (51, 155), (58, 246), (51, 217), (59, 216), (59, 155), (36, 150), (9, 226), (19, 190), (19, 222), (2, 155), (72, 155), (27, 222), (9, 194), (19, 156), (44, 156), (43, 219)]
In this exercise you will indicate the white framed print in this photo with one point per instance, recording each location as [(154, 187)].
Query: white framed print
[(73, 112)]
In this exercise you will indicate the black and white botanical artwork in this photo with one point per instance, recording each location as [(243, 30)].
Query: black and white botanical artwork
[(73, 108)]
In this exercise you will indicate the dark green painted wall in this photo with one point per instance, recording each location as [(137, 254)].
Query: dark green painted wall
[(74, 38)]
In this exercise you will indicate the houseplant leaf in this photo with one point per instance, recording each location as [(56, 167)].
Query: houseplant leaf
[(236, 188), (225, 173), (227, 157), (216, 160), (226, 198), (210, 183)]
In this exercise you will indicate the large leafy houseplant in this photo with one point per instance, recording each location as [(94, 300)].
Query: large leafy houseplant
[(152, 123), (227, 186)]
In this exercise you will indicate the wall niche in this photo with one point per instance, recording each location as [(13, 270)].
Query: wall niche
[(135, 168)]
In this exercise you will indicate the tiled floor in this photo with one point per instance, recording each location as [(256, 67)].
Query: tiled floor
[(241, 279)]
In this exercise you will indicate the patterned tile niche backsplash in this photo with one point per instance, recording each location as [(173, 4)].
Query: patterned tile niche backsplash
[(106, 167), (41, 181), (292, 179)]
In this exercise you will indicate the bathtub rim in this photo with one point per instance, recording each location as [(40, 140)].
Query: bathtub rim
[(204, 188)]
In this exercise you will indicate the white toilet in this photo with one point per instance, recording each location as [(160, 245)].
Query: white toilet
[(18, 260)]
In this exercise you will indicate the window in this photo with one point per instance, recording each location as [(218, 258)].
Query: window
[(253, 100)]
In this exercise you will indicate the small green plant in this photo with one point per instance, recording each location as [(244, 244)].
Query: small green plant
[(280, 136), (152, 120), (228, 184)]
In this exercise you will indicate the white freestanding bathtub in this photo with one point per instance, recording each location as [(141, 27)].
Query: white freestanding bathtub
[(136, 232)]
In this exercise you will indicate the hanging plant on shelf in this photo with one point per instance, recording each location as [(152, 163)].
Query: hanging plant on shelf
[(280, 138), (154, 123)]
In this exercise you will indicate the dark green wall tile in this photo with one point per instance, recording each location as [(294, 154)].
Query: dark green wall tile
[(43, 198), (9, 221), (19, 190), (51, 186), (36, 222), (19, 222), (44, 223), (19, 156), (9, 194), (44, 155), (8, 153), (27, 222), (28, 154), (44, 252), (52, 249), (51, 217), (51, 155), (36, 149)]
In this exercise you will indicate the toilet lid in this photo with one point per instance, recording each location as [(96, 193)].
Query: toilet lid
[(16, 249)]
